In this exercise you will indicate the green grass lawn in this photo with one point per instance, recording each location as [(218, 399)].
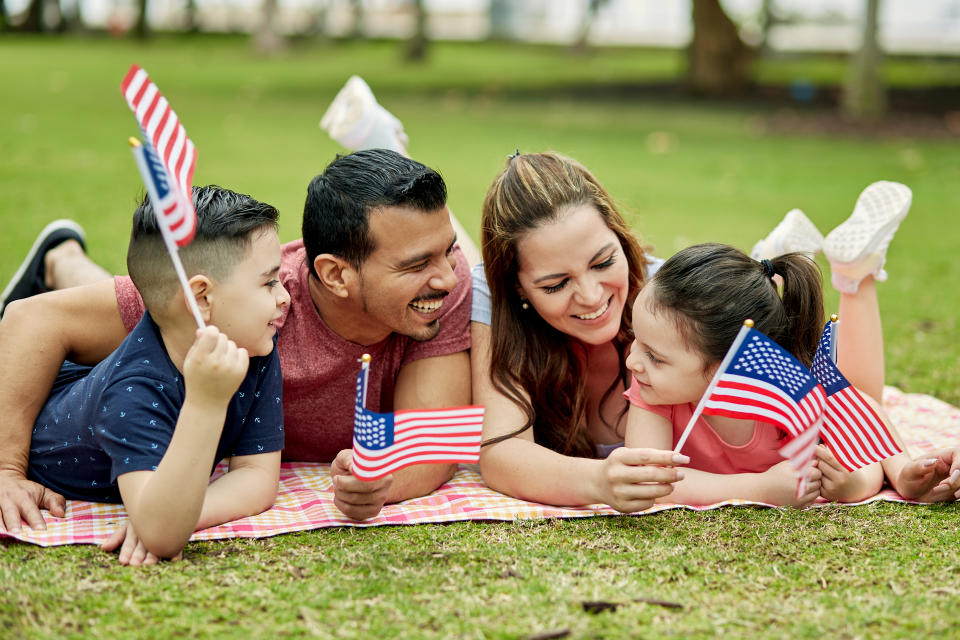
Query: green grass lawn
[(687, 172)]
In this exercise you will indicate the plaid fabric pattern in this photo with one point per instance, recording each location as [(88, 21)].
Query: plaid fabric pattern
[(306, 497)]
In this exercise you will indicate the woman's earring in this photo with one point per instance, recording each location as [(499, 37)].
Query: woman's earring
[(524, 305)]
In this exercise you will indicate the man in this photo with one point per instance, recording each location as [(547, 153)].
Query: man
[(377, 271)]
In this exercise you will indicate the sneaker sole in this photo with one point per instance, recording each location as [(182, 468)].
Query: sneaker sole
[(877, 233)]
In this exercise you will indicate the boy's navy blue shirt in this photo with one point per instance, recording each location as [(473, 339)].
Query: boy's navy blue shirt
[(119, 416)]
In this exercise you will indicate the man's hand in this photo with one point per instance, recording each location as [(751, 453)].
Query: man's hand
[(132, 551), (22, 498), (357, 499)]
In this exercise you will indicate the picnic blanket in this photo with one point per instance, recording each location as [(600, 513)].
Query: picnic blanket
[(305, 499)]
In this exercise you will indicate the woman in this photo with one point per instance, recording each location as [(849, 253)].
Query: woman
[(563, 269), (551, 334)]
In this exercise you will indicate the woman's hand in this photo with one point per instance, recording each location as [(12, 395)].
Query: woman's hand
[(632, 479)]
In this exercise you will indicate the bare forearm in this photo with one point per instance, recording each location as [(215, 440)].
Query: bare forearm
[(701, 487), (30, 357), (419, 480), (166, 509), (36, 335), (528, 471), (239, 493)]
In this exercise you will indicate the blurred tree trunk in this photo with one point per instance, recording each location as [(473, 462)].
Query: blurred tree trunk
[(3, 15), (318, 24), (417, 45), (865, 96), (73, 21), (265, 38), (34, 20), (357, 31), (190, 23), (141, 30), (580, 44), (718, 60), (500, 13), (767, 19)]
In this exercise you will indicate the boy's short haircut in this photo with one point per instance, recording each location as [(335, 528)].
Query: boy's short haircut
[(339, 200), (226, 222)]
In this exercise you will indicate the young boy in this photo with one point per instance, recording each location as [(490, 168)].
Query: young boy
[(147, 425)]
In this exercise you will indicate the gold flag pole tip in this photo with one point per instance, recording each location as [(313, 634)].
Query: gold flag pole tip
[(133, 142), (365, 358), (834, 317), (748, 323)]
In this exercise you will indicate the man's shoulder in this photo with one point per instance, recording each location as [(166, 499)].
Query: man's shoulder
[(292, 254)]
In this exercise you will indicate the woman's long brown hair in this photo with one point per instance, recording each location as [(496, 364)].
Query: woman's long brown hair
[(533, 364)]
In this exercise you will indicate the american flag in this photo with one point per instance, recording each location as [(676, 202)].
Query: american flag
[(852, 430), (801, 451), (759, 380), (168, 139), (161, 193), (386, 442), (762, 381)]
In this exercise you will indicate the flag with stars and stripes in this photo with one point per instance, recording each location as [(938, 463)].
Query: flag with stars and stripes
[(759, 380), (167, 140), (386, 442), (852, 430), (762, 381)]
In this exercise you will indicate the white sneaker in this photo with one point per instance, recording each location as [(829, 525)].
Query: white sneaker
[(357, 121), (858, 247), (794, 233)]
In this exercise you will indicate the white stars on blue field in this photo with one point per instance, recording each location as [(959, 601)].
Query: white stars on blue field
[(823, 367), (764, 360)]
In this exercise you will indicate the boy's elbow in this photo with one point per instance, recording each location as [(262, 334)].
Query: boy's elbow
[(164, 544), (267, 498)]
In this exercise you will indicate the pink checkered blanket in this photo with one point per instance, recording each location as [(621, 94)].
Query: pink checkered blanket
[(305, 499)]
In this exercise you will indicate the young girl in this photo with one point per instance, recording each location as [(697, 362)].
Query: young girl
[(684, 321)]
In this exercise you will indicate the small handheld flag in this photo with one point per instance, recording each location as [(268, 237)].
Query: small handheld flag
[(162, 197), (166, 161), (852, 430), (759, 380), (168, 139), (386, 442)]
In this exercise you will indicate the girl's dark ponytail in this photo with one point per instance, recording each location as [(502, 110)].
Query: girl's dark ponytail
[(802, 296)]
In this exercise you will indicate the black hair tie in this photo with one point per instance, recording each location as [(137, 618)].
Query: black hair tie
[(768, 268), (515, 154)]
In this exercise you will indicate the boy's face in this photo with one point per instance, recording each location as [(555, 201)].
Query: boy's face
[(666, 369), (407, 277), (251, 298)]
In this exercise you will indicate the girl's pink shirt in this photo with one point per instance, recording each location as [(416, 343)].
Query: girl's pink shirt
[(707, 450)]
